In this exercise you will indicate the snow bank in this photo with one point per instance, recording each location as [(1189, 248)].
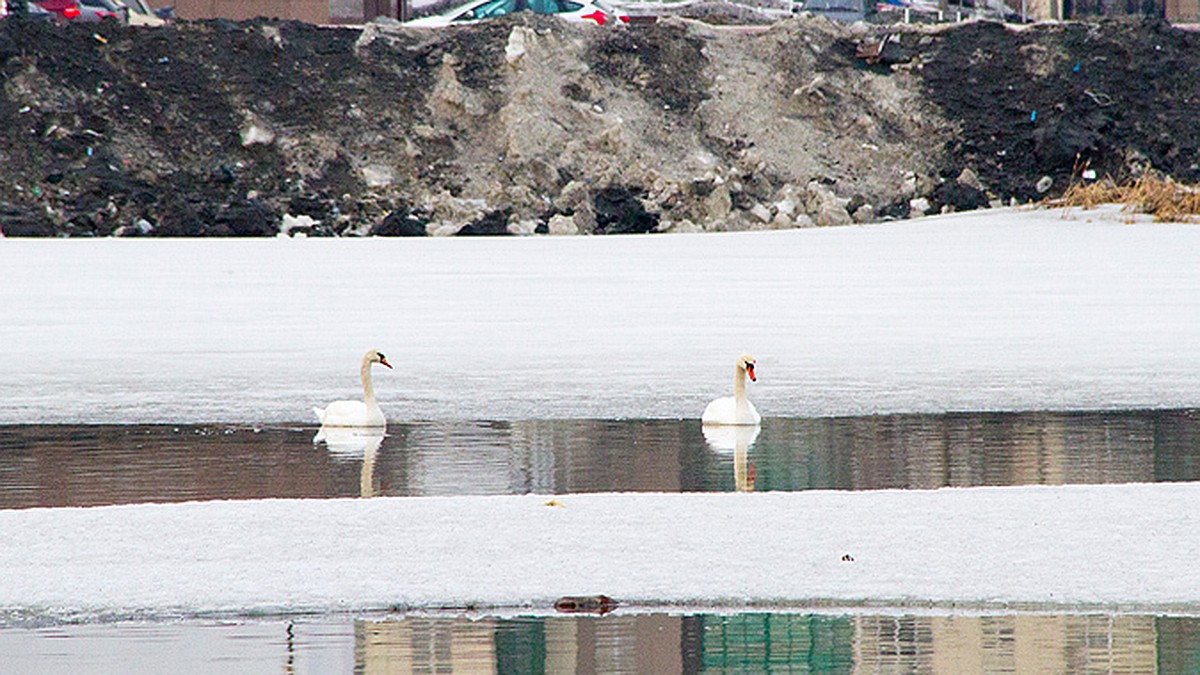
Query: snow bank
[(1115, 545), (1002, 310)]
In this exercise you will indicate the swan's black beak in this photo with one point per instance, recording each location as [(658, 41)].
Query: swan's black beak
[(384, 362), (750, 372)]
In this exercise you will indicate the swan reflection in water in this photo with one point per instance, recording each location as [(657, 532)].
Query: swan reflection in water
[(350, 443), (737, 439)]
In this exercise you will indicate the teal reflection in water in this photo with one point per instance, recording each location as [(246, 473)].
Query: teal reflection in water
[(91, 465), (660, 644), (776, 642)]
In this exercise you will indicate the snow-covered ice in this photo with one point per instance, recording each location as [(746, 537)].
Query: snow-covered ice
[(1095, 546), (1005, 310), (984, 311)]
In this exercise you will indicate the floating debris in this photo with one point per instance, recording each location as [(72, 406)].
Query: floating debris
[(585, 604)]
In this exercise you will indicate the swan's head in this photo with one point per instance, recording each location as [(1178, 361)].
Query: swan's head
[(746, 363), (376, 356)]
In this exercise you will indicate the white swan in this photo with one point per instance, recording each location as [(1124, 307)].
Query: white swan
[(736, 409), (364, 413)]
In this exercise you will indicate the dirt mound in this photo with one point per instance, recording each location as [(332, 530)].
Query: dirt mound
[(528, 124), (1053, 99)]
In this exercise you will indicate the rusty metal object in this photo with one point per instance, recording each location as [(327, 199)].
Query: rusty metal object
[(585, 604)]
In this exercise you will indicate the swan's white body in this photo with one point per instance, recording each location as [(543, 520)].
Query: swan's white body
[(736, 410), (364, 413)]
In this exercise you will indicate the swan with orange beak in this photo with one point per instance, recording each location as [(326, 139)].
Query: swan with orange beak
[(364, 413), (736, 410)]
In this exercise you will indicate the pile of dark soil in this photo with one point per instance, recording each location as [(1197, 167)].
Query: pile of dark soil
[(1119, 97), (219, 128)]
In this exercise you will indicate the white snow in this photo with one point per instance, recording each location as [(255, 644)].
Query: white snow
[(1010, 310), (1095, 546), (999, 310)]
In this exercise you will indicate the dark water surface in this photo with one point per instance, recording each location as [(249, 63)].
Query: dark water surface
[(96, 465), (49, 466), (636, 643)]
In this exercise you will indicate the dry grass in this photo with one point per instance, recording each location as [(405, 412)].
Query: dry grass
[(1160, 197)]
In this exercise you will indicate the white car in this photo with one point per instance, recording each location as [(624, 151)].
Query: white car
[(579, 11), (142, 14)]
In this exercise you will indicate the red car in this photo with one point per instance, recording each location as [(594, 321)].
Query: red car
[(63, 10), (84, 10)]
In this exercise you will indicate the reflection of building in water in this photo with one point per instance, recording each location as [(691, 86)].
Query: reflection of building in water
[(929, 451), (424, 646), (625, 644), (643, 643), (598, 455), (766, 642), (1009, 644), (788, 643), (540, 456)]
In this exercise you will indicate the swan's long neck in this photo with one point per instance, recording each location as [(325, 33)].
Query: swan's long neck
[(368, 388), (739, 384)]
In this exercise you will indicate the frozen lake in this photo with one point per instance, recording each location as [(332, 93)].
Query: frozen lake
[(1055, 356), (983, 311)]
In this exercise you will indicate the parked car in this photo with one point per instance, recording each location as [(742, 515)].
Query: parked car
[(37, 13), (98, 10), (83, 10), (142, 14), (59, 10), (577, 11)]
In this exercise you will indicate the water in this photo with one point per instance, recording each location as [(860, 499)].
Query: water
[(61, 465), (636, 643), (177, 370)]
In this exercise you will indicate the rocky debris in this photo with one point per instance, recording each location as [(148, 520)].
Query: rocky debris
[(529, 125), (402, 223), (492, 223), (619, 211), (19, 220)]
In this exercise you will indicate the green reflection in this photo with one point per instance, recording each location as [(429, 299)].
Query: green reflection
[(783, 642), (764, 642)]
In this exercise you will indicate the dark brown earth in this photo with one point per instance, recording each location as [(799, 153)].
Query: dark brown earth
[(529, 125)]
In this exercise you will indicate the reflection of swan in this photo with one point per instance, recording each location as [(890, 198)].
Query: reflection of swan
[(736, 409), (739, 439), (350, 443), (364, 413), (726, 438)]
